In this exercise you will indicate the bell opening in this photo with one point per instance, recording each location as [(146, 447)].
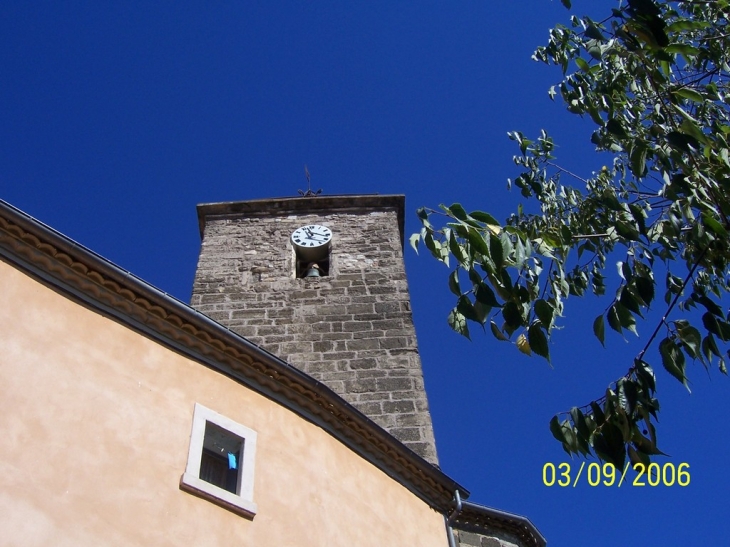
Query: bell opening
[(312, 270), (308, 269)]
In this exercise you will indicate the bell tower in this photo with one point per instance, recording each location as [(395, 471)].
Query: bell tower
[(320, 282)]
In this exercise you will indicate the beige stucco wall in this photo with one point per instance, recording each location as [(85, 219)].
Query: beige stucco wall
[(95, 423)]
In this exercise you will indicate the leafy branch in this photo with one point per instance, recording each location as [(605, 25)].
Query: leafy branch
[(654, 79)]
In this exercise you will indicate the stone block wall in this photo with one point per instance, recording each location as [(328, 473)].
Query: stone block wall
[(473, 539), (351, 330)]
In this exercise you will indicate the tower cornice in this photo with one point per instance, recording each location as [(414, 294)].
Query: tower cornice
[(343, 203)]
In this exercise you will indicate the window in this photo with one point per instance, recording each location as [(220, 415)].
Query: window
[(221, 462)]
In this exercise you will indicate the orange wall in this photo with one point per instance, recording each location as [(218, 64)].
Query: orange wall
[(95, 423)]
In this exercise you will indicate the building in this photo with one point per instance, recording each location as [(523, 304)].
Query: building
[(266, 416)]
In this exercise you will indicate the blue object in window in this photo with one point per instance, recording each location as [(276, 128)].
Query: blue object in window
[(232, 461)]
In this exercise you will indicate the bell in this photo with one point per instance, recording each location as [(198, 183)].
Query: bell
[(313, 270)]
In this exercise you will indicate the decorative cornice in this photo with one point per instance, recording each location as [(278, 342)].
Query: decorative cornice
[(485, 520)]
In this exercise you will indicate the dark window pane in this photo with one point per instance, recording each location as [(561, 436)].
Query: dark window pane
[(214, 469)]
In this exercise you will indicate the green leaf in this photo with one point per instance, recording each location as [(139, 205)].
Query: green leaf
[(486, 296), (544, 312), (538, 341), (523, 344), (639, 216), (613, 320), (687, 24), (474, 276), (413, 240), (609, 445), (456, 249), (556, 429), (645, 288), (486, 218), (685, 143), (691, 340), (431, 244), (581, 429), (666, 67), (638, 457), (614, 127), (565, 3), (496, 251), (629, 302), (690, 94), (638, 160), (625, 317), (595, 116), (627, 230), (507, 247), (502, 283), (645, 375), (709, 347), (597, 413), (595, 50), (571, 443), (709, 305), (482, 311), (593, 32), (690, 127), (683, 49), (673, 360), (716, 326), (627, 395), (582, 64), (520, 254), (713, 225), (454, 283), (644, 10), (457, 322), (512, 316), (457, 211), (476, 240), (645, 445), (543, 248), (599, 329), (497, 333), (466, 308)]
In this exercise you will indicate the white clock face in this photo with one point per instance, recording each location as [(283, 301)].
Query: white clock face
[(311, 236)]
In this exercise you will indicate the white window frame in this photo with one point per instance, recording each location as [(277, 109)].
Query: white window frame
[(241, 503)]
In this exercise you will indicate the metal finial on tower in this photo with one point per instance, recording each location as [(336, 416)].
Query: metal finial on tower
[(309, 193)]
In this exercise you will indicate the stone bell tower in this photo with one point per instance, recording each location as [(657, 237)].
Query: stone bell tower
[(320, 282)]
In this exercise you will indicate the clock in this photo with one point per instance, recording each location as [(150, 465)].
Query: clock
[(312, 242)]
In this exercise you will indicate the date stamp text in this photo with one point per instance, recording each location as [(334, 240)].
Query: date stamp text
[(596, 474)]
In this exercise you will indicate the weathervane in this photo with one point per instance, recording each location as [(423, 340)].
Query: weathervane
[(309, 193)]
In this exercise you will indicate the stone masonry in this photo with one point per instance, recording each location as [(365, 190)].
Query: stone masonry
[(479, 539), (351, 330)]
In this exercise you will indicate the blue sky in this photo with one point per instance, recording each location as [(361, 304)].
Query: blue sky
[(118, 118)]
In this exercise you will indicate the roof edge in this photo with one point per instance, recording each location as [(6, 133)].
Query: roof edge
[(480, 518)]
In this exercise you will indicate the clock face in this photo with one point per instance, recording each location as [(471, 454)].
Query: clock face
[(308, 237)]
